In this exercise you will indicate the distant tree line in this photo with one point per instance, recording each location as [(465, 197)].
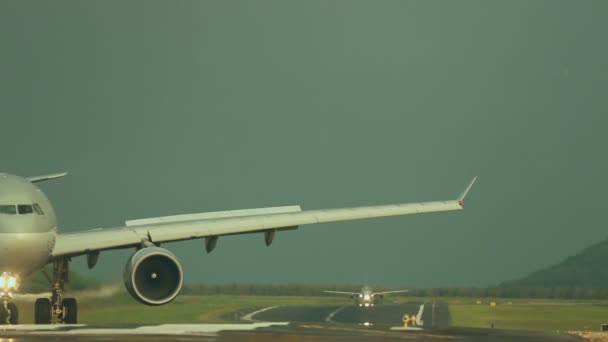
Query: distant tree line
[(40, 282), (264, 289), (514, 292), (317, 290)]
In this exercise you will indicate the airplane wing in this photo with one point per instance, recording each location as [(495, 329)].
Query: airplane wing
[(46, 177), (387, 292), (342, 293), (155, 231)]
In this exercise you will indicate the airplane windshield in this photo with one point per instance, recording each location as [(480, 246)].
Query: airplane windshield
[(37, 209), (25, 209), (8, 209)]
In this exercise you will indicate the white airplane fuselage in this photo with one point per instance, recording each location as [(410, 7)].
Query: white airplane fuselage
[(27, 237), (366, 297)]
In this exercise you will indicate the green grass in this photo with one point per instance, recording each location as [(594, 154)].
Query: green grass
[(532, 314), (122, 308), (186, 309), (542, 315)]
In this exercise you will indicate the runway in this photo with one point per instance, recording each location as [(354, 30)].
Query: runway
[(294, 323), (430, 314)]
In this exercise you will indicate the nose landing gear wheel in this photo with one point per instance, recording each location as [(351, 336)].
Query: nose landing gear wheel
[(42, 311), (14, 319), (9, 314)]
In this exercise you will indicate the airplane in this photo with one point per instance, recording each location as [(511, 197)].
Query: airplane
[(29, 240), (366, 297)]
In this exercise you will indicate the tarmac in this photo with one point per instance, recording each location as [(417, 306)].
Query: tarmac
[(297, 323)]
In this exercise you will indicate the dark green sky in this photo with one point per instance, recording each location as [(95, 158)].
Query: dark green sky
[(165, 107)]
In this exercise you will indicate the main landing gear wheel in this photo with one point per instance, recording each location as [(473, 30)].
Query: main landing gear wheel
[(70, 310), (57, 309), (42, 311)]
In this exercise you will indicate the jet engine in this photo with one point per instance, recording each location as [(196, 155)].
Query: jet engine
[(153, 276)]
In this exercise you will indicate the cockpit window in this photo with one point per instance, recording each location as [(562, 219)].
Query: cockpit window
[(25, 209), (37, 209), (8, 209)]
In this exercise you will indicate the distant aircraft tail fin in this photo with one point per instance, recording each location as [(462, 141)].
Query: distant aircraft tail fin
[(46, 177), (466, 190)]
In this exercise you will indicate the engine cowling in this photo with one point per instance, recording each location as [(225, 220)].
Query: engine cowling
[(153, 276)]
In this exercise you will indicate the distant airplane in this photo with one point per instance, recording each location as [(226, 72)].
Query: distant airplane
[(152, 275), (366, 297)]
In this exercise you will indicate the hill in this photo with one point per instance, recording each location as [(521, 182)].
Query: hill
[(586, 269)]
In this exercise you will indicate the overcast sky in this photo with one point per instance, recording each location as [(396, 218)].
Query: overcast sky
[(166, 107)]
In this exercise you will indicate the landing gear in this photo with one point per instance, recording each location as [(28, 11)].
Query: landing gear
[(70, 310), (42, 311), (14, 313), (9, 313), (57, 309)]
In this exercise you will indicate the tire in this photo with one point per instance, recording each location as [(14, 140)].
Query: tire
[(14, 319), (70, 308), (3, 315), (42, 311)]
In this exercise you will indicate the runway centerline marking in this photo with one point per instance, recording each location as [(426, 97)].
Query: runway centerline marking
[(249, 317), (329, 317)]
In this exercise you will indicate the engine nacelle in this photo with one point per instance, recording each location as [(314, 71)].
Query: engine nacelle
[(153, 276)]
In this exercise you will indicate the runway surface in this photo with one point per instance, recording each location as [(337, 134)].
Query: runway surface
[(430, 314), (298, 323)]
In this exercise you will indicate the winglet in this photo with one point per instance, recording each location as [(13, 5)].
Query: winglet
[(46, 177), (466, 190)]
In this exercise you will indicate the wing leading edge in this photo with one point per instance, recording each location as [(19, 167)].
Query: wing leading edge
[(159, 231), (387, 292), (37, 179), (342, 292)]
